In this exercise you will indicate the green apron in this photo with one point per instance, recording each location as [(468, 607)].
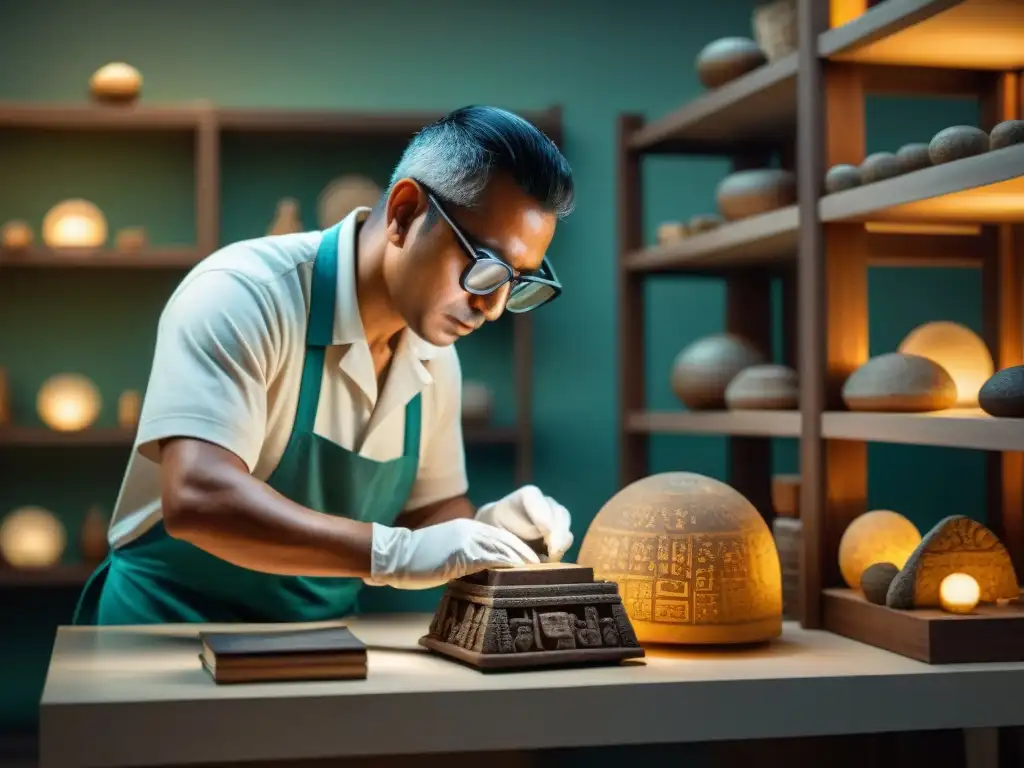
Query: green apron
[(158, 579)]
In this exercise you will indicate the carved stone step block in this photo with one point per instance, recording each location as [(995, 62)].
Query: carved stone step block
[(532, 622)]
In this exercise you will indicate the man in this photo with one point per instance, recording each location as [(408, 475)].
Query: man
[(301, 430)]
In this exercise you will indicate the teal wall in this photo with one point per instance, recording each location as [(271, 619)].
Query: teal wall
[(595, 58)]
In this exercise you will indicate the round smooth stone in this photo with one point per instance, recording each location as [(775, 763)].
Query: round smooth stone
[(956, 143), (727, 58), (1003, 394)]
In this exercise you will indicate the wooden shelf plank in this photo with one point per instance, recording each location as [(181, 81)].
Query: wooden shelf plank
[(767, 238), (953, 34), (65, 575), (85, 116), (746, 423), (759, 107), (955, 428), (400, 125), (41, 436), (116, 436), (985, 188), (182, 257)]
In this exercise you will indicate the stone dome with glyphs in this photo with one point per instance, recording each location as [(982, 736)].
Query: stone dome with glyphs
[(694, 561)]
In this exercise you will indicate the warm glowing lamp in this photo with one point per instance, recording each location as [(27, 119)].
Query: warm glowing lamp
[(880, 536), (32, 537), (959, 593), (959, 350), (68, 402), (75, 224), (693, 559)]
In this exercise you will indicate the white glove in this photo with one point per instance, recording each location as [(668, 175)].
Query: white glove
[(432, 556), (531, 515)]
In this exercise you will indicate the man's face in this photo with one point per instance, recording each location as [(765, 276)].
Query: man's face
[(422, 268)]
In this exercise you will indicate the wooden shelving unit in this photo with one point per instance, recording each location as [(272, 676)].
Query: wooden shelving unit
[(208, 124), (968, 213)]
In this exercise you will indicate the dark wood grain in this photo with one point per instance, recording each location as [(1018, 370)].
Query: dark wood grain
[(85, 116), (949, 429), (757, 108), (991, 634), (939, 192), (183, 257), (918, 33), (634, 456), (748, 423)]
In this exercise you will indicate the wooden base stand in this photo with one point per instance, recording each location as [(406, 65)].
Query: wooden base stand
[(991, 633), (532, 618)]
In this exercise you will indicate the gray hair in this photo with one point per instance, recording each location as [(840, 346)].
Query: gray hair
[(457, 156)]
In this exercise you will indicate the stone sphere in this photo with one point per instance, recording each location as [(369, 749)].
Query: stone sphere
[(1003, 394), (749, 193), (703, 370), (727, 58), (694, 561), (879, 536)]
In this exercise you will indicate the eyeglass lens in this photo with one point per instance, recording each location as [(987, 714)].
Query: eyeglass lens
[(527, 295), (486, 276)]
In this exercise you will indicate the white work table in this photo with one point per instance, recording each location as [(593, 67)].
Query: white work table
[(137, 696)]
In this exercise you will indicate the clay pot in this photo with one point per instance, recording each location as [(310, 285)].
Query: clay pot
[(703, 370), (913, 157), (726, 59), (763, 387), (1003, 394), (880, 166), (956, 143), (748, 193), (842, 177), (895, 382), (1006, 134)]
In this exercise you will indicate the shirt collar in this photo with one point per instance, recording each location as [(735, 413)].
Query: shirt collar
[(348, 326)]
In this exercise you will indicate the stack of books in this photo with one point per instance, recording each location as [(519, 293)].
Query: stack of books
[(331, 653)]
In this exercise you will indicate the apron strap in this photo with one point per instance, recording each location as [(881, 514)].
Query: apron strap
[(319, 329), (413, 425)]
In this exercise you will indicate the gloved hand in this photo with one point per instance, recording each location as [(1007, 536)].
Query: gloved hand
[(429, 557), (531, 515)]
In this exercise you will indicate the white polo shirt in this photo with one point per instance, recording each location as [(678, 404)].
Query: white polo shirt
[(228, 361)]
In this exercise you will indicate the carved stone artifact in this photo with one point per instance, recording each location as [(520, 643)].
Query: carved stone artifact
[(726, 59), (880, 166), (702, 371), (956, 143), (748, 193), (775, 28), (763, 387), (875, 581), (842, 177), (1003, 394), (1006, 134), (913, 157), (552, 614), (895, 382), (694, 560), (957, 544)]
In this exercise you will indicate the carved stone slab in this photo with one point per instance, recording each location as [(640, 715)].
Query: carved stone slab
[(957, 544), (532, 622)]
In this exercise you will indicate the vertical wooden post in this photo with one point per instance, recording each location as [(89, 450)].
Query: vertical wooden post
[(522, 344), (1003, 282), (749, 315), (207, 180), (832, 268), (634, 448)]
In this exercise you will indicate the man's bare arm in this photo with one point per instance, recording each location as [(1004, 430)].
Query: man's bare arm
[(438, 512), (210, 500)]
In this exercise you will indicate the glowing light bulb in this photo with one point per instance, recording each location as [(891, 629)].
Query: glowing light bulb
[(959, 593)]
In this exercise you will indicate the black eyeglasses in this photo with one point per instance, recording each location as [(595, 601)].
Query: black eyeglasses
[(487, 272)]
